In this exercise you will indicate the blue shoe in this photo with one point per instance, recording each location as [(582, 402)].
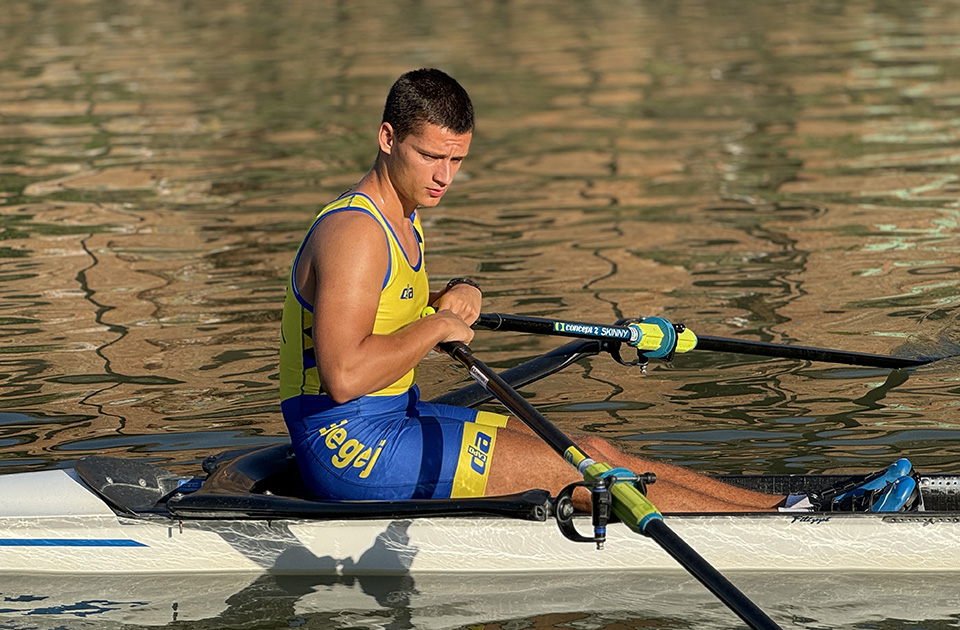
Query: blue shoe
[(890, 490), (874, 482), (894, 497)]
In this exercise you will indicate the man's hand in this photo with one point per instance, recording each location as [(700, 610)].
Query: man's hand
[(464, 300), (457, 329)]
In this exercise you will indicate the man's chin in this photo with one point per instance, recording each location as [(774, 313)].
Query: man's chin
[(430, 202)]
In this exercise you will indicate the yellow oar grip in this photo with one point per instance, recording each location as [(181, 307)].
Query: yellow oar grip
[(657, 335), (427, 310), (686, 341), (651, 336)]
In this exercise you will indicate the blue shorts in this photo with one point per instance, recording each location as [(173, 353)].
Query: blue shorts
[(391, 447)]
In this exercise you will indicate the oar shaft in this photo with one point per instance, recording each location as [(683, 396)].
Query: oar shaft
[(528, 372), (630, 505), (762, 348), (513, 401), (541, 326), (655, 337)]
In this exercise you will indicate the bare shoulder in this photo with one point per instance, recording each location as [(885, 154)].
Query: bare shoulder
[(348, 231), (344, 251)]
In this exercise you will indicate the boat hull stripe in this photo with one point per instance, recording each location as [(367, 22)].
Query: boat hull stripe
[(69, 542)]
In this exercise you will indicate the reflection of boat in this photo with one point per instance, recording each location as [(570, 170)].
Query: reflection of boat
[(252, 515), (662, 599)]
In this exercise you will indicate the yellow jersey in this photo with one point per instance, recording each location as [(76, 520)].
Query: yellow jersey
[(403, 296)]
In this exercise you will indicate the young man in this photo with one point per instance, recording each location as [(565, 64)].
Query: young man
[(353, 333)]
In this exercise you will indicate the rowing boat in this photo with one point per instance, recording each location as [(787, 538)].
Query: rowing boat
[(110, 516), (248, 512)]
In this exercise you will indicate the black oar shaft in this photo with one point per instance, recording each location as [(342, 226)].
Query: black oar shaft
[(559, 328), (527, 372), (513, 401), (656, 529), (806, 353)]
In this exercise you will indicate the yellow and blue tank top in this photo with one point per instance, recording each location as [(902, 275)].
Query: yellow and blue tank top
[(403, 296)]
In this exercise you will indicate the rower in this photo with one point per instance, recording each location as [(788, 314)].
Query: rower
[(352, 336)]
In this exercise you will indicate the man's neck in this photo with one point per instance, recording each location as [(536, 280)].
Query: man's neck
[(376, 184)]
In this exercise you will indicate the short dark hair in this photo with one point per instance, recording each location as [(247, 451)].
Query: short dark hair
[(430, 96)]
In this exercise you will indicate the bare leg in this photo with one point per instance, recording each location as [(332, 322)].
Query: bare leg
[(521, 460)]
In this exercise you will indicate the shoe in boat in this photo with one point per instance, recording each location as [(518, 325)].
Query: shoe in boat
[(893, 489), (899, 496)]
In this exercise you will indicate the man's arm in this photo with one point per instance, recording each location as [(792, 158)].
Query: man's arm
[(343, 265)]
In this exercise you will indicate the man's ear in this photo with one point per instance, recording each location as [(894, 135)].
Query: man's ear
[(387, 138)]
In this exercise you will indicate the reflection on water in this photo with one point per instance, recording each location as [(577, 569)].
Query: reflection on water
[(590, 601), (781, 171)]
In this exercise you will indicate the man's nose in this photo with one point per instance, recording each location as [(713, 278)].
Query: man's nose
[(444, 174)]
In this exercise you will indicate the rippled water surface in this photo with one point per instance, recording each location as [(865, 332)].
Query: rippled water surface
[(780, 171)]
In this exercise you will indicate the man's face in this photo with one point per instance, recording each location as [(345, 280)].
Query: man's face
[(422, 166)]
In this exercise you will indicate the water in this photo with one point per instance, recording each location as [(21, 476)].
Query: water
[(778, 171)]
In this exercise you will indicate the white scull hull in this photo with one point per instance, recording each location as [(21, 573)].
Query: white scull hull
[(50, 523)]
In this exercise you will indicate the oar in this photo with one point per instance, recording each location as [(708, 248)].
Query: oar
[(643, 335), (629, 504)]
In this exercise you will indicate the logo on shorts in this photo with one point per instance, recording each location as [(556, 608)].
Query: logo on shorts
[(348, 451), (479, 452)]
